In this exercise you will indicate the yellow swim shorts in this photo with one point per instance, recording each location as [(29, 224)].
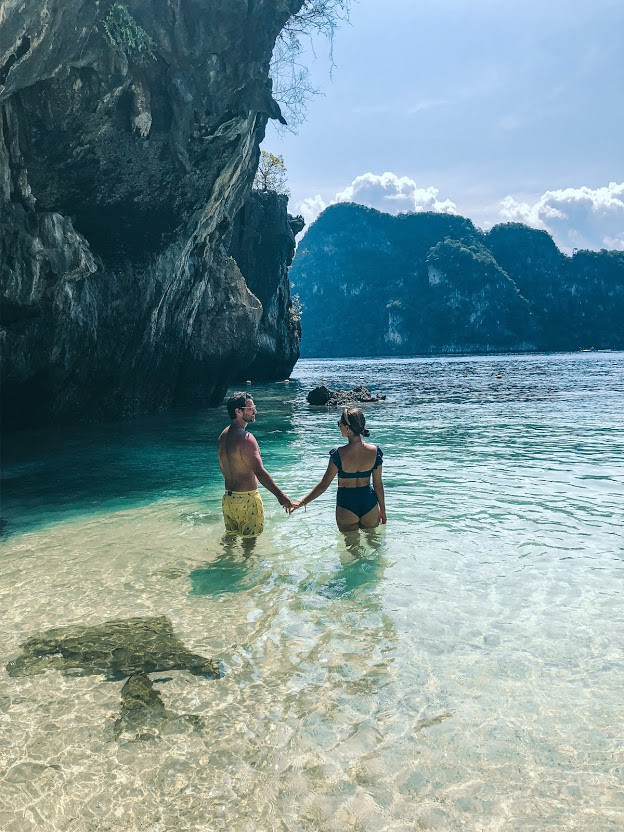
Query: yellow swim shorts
[(243, 512)]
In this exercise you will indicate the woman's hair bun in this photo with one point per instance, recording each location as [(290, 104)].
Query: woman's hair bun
[(353, 418)]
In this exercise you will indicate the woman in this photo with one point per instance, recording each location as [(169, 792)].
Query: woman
[(358, 504)]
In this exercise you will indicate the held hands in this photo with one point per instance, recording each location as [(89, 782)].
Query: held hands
[(286, 503), (289, 505), (292, 505)]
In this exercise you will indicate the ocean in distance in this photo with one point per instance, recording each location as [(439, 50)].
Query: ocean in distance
[(459, 669)]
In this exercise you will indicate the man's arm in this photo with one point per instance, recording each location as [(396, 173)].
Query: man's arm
[(255, 463)]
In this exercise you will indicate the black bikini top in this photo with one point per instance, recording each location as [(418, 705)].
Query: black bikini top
[(335, 458)]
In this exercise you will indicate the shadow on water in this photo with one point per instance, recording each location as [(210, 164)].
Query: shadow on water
[(362, 565), (235, 571), (352, 576)]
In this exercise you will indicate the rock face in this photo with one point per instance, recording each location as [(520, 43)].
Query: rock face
[(129, 139), (374, 284), (263, 245)]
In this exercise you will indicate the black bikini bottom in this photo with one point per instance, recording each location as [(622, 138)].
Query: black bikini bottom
[(359, 500)]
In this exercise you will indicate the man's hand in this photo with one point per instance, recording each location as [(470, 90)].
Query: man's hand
[(296, 504), (286, 503)]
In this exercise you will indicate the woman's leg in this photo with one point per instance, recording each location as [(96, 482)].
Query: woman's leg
[(371, 519), (347, 521)]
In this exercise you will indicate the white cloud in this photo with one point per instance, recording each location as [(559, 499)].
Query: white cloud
[(576, 217), (402, 107), (510, 122), (394, 194), (310, 208), (387, 192), (425, 104)]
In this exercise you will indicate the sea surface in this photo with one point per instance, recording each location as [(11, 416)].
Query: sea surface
[(461, 668)]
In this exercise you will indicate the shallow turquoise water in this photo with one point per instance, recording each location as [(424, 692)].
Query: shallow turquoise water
[(459, 669)]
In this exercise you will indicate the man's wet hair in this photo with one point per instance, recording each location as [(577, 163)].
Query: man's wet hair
[(236, 400)]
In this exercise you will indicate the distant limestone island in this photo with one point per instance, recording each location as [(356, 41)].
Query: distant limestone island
[(375, 284)]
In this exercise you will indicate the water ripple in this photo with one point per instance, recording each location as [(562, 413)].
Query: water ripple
[(459, 669)]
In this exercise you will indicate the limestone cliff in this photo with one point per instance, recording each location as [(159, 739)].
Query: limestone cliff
[(129, 138), (375, 284), (263, 245)]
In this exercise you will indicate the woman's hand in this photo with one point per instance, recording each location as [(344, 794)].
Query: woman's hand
[(295, 505), (382, 517)]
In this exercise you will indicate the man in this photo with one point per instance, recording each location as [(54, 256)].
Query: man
[(241, 466)]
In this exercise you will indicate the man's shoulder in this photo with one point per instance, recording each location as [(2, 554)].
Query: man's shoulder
[(249, 440), (239, 439)]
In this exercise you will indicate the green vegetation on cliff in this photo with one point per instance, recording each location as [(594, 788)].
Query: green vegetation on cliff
[(375, 284), (124, 33)]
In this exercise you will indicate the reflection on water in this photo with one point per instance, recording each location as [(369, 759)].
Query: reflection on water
[(237, 570), (457, 669)]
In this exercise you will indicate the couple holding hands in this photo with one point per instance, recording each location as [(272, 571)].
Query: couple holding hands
[(359, 505)]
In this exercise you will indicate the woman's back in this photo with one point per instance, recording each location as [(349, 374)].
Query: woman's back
[(359, 504), (359, 458)]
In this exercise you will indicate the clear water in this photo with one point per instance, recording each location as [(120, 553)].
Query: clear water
[(460, 669)]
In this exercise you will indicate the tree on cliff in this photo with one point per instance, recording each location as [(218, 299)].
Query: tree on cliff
[(271, 174), (291, 84)]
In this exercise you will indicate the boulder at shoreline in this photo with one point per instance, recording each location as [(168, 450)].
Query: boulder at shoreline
[(323, 396)]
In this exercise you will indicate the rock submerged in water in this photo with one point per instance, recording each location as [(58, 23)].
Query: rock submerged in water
[(122, 649), (322, 395), (143, 713), (117, 649)]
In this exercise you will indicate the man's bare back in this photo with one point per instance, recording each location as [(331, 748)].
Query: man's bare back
[(242, 469), (238, 454)]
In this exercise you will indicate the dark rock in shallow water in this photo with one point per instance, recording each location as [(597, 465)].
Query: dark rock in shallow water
[(141, 705), (319, 396), (324, 396), (118, 649), (143, 712)]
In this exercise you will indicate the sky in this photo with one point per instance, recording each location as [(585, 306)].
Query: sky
[(498, 110)]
